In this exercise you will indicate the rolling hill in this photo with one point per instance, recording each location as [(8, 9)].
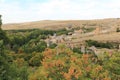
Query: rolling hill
[(58, 24), (110, 25)]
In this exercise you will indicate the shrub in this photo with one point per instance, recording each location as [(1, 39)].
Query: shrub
[(99, 44), (118, 30), (77, 50)]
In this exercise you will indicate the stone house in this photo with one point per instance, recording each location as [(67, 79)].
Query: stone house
[(69, 27), (55, 39)]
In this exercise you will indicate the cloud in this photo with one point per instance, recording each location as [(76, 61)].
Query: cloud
[(33, 10)]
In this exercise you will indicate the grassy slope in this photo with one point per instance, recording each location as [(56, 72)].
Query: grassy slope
[(57, 24)]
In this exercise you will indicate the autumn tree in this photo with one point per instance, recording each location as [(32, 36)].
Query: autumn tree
[(62, 64)]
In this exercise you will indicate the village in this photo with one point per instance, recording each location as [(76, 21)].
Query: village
[(76, 39)]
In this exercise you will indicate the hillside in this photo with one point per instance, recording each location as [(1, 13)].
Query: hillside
[(40, 54), (108, 26), (57, 24)]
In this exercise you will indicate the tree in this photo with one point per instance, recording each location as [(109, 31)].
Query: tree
[(0, 21), (112, 64), (5, 70), (2, 33), (34, 46), (4, 66), (36, 59), (77, 50), (9, 70), (62, 64), (52, 46), (99, 44), (19, 69)]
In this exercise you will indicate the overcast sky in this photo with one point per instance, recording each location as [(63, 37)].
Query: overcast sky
[(34, 10)]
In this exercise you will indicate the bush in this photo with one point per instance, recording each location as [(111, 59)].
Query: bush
[(77, 50), (36, 59), (117, 30), (52, 46), (34, 45), (4, 37), (99, 44)]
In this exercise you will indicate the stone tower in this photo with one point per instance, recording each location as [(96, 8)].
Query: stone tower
[(0, 21)]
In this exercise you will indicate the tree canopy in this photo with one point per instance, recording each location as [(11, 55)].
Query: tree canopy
[(0, 21)]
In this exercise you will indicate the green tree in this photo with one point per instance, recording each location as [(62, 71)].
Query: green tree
[(2, 33), (52, 46), (0, 21), (34, 46), (36, 59), (9, 70), (77, 50), (112, 64)]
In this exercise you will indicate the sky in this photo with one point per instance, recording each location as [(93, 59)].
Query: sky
[(15, 11)]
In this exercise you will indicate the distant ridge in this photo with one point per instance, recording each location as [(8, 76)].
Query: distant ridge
[(59, 24)]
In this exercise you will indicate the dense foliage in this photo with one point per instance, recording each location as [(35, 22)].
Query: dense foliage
[(62, 64), (108, 45), (0, 21), (24, 55)]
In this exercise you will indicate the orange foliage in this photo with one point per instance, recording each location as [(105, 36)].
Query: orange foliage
[(71, 70), (48, 53), (67, 76), (77, 76), (99, 68), (69, 65), (106, 79), (73, 58), (85, 57), (88, 68), (59, 62)]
